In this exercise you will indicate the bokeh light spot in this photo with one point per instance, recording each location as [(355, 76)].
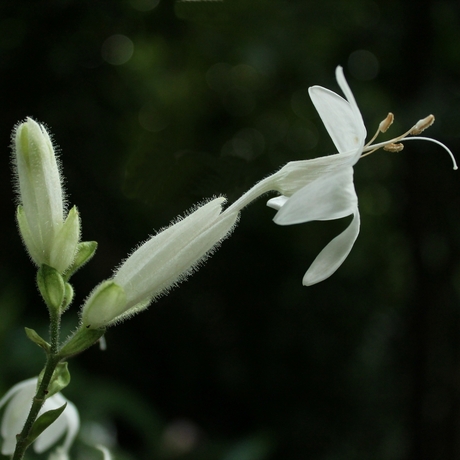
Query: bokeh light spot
[(117, 49), (152, 118), (363, 65)]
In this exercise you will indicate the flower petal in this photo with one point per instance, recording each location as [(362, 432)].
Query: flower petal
[(333, 255), (16, 412), (341, 118), (329, 197)]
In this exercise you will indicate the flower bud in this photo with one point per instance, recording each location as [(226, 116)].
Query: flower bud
[(49, 237), (158, 265)]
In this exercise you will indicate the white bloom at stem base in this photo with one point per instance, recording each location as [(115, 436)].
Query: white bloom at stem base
[(322, 188), (158, 265), (49, 236), (19, 399)]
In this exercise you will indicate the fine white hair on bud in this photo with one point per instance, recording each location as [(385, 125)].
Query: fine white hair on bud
[(50, 236), (159, 264)]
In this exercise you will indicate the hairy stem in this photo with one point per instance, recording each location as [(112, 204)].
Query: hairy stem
[(52, 361)]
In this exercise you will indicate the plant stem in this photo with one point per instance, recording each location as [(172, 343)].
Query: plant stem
[(52, 361)]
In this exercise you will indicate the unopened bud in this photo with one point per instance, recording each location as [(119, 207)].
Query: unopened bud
[(422, 124), (51, 286), (392, 147), (385, 124)]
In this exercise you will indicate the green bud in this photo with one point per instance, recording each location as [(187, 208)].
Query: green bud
[(85, 252), (51, 286), (82, 339), (33, 335)]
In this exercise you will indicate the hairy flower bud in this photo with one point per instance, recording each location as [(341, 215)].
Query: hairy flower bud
[(158, 265), (50, 237)]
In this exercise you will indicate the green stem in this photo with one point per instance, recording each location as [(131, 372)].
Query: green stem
[(52, 361)]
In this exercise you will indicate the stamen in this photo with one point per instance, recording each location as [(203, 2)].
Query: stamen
[(392, 147), (422, 124), (385, 124)]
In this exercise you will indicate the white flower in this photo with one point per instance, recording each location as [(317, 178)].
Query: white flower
[(19, 400), (49, 237), (322, 188), (158, 265)]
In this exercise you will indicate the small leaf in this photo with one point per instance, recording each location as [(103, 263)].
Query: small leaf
[(33, 335), (82, 339), (43, 422)]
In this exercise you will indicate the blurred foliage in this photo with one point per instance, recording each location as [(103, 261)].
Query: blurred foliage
[(157, 105)]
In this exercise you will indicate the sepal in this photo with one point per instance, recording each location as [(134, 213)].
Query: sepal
[(99, 309), (85, 252), (26, 235), (65, 245), (51, 286), (68, 297)]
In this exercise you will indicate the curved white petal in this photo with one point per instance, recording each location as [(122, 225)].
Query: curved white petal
[(16, 412), (340, 77), (333, 255), (329, 197), (341, 118)]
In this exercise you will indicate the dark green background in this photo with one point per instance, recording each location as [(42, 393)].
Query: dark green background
[(362, 366)]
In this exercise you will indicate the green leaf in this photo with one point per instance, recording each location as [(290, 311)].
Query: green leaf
[(82, 339), (33, 335), (43, 422)]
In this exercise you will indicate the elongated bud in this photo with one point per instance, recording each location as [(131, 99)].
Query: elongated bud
[(422, 124), (49, 238), (159, 264)]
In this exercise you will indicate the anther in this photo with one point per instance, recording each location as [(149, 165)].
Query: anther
[(392, 147), (385, 124), (422, 124)]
